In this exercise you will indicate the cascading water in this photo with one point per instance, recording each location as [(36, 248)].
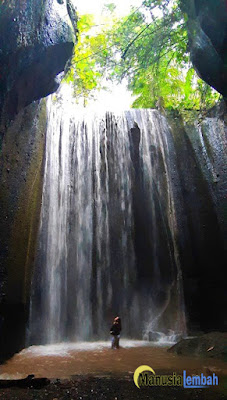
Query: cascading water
[(107, 241)]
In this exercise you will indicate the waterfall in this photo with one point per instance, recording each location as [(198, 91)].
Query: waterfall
[(108, 228)]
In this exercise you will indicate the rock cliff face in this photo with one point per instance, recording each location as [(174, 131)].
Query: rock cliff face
[(21, 170), (201, 163), (207, 30), (36, 42), (197, 176)]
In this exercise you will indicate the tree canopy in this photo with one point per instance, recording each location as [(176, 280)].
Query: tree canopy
[(148, 48)]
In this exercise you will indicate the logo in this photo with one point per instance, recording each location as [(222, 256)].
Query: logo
[(139, 371), (146, 376), (199, 381)]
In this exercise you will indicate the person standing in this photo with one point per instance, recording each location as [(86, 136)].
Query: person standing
[(115, 331)]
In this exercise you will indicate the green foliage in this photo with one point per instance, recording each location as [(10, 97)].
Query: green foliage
[(85, 72), (149, 49)]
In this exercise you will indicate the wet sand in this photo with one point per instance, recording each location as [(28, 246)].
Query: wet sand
[(108, 373)]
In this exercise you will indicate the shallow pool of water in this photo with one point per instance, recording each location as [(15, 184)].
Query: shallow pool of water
[(97, 358)]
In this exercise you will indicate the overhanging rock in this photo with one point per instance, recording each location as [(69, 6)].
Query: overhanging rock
[(36, 41)]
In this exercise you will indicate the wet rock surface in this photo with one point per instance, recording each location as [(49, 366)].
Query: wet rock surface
[(207, 29), (21, 168), (211, 345), (36, 41), (200, 146)]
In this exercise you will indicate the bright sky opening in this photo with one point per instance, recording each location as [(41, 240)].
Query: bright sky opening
[(96, 7)]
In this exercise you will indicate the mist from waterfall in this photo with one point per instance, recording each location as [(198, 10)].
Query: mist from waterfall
[(108, 231)]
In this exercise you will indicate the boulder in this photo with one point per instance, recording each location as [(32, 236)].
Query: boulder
[(212, 345)]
